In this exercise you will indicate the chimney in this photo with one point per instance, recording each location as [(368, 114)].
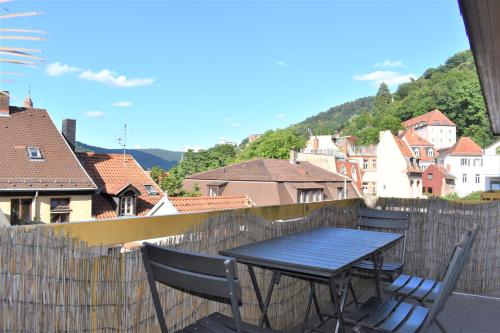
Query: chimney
[(4, 103), (293, 157), (315, 143), (69, 132)]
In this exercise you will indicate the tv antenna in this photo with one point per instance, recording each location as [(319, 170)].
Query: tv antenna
[(123, 140)]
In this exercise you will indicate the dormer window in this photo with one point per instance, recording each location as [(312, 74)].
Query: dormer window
[(151, 189), (343, 170), (416, 151), (354, 174), (34, 153), (127, 204), (213, 191), (430, 152)]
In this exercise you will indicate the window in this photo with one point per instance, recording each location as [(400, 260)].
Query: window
[(478, 178), (365, 164), (127, 206), (59, 210), (416, 151), (374, 164), (429, 190), (354, 174), (478, 162), (343, 170), (429, 176), (464, 161), (309, 195), (213, 191), (20, 211), (151, 189), (495, 185), (34, 153), (464, 178), (341, 193), (365, 187), (430, 152)]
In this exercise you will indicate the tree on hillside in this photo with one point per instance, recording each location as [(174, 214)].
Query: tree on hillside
[(454, 89), (366, 126), (273, 144), (195, 162), (157, 174)]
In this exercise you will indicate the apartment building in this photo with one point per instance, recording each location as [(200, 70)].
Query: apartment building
[(434, 127), (464, 160), (492, 167)]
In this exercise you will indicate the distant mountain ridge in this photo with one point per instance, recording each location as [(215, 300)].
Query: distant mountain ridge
[(147, 158)]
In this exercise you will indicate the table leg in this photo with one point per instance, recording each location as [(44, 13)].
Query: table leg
[(336, 306), (316, 303), (274, 280), (258, 295), (378, 261)]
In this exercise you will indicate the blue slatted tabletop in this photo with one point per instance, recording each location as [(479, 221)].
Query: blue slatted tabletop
[(322, 252)]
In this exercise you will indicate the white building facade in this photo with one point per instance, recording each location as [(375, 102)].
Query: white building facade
[(465, 161), (492, 167), (398, 172)]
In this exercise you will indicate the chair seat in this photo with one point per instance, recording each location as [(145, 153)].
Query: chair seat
[(219, 323), (422, 290), (388, 316), (388, 267)]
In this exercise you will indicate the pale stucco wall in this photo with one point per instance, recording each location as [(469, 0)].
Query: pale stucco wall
[(392, 179), (453, 164), (322, 161), (439, 136), (80, 205)]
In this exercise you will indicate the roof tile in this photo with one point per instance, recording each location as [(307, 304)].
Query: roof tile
[(206, 204)]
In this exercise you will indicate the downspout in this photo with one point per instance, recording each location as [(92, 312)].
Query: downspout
[(35, 201)]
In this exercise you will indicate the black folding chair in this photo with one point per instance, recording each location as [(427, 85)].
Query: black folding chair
[(397, 316), (211, 277), (383, 220), (424, 290)]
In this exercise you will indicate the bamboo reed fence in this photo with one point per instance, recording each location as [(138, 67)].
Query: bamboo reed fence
[(50, 283)]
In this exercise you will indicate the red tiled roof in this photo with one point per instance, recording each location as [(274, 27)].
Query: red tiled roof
[(269, 170), (432, 118), (206, 204), (112, 173), (403, 147), (414, 139), (465, 146), (58, 170), (349, 167)]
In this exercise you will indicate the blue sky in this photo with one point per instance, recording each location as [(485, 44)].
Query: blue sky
[(193, 73)]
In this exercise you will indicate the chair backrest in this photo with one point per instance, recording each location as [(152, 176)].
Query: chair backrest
[(211, 277), (383, 220), (460, 256)]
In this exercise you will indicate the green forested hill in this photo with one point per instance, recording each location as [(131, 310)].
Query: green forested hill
[(452, 88), (335, 118)]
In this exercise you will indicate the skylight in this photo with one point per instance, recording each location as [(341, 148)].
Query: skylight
[(34, 153), (151, 189)]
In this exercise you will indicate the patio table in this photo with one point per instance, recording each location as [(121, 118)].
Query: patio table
[(320, 255)]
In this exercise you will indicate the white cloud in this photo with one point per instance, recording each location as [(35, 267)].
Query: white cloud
[(390, 63), (95, 114), (138, 146), (280, 116), (110, 78), (227, 120), (235, 125), (281, 63), (122, 104), (58, 69), (389, 77)]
